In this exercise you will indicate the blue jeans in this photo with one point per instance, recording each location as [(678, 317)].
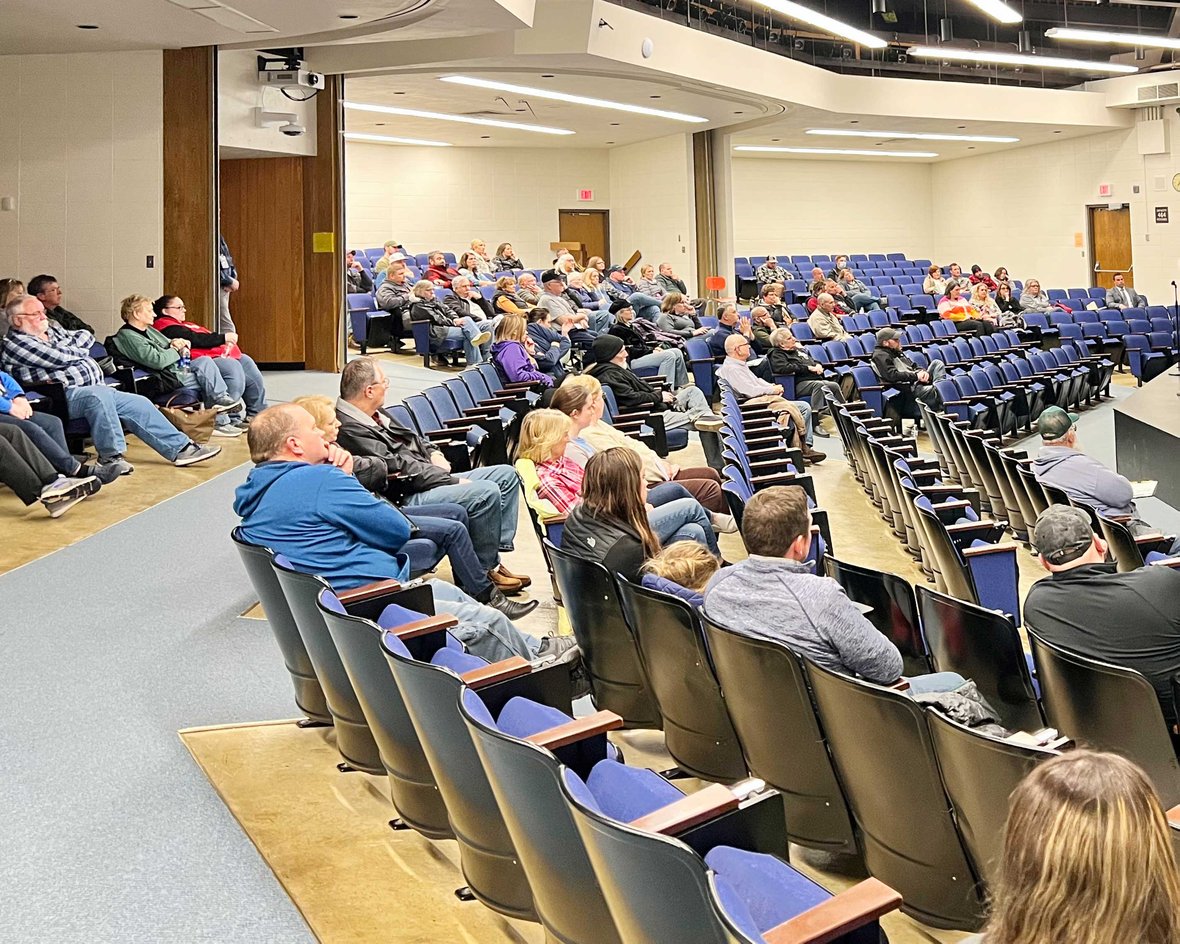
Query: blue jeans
[(600, 321), (469, 330), (106, 409), (668, 363), (863, 301), (808, 434), (491, 497), (204, 377), (46, 433), (243, 380), (446, 525), (935, 682), (485, 632), (644, 306), (683, 520)]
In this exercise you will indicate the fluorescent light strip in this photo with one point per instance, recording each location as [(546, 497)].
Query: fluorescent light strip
[(997, 10), (1014, 59), (795, 11), (388, 139), (461, 119), (1106, 36), (911, 135), (846, 151), (571, 99)]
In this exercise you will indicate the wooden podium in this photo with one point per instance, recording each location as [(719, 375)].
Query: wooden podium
[(577, 250)]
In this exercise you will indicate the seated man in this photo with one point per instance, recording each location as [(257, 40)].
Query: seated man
[(893, 367), (825, 322), (645, 348), (621, 289), (243, 379), (771, 271), (395, 297), (670, 282), (729, 323), (772, 302), (47, 289), (788, 359), (1083, 478), (466, 302), (750, 389), (1086, 605), (774, 595), (608, 360), (438, 270), (30, 476), (490, 494), (527, 289), (393, 252), (35, 350), (356, 279), (856, 292), (302, 501), (145, 347), (563, 308), (1121, 295)]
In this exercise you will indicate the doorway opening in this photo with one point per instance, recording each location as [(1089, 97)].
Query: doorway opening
[(589, 229), (1110, 244)]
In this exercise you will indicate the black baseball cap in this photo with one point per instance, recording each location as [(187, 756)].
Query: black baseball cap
[(616, 268), (551, 275), (1062, 534)]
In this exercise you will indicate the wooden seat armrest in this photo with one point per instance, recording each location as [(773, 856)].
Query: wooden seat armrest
[(988, 549), (497, 672), (777, 478), (576, 730), (369, 591), (864, 902), (1173, 562), (445, 435), (491, 411), (518, 385), (694, 809), (553, 519), (970, 525), (949, 491), (461, 422), (892, 440), (424, 627)]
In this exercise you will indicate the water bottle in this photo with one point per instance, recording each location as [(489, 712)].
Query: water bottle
[(185, 359)]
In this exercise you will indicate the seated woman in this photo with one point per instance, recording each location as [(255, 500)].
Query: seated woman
[(505, 259), (611, 524), (551, 343), (647, 283), (1001, 276), (1008, 307), (678, 317), (444, 326), (575, 288), (566, 264), (592, 281), (512, 353), (1034, 300), (243, 379), (145, 347), (982, 302), (598, 264), (934, 284), (1087, 857), (544, 438), (957, 309), (857, 293), (772, 300), (682, 569), (505, 301), (469, 265), (580, 398)]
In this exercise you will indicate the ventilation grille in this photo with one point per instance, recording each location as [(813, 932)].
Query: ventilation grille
[(1155, 93)]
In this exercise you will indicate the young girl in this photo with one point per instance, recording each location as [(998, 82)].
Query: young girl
[(512, 352), (682, 569)]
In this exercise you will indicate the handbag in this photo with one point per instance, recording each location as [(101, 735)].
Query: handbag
[(196, 424)]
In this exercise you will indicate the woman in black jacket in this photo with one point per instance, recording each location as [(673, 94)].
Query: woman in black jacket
[(505, 260), (444, 326)]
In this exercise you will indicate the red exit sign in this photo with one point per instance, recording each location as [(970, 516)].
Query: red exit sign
[(1105, 190), (585, 196)]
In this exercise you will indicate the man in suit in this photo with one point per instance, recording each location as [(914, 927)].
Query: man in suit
[(489, 494), (1121, 295)]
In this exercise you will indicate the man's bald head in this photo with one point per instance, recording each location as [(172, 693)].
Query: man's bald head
[(734, 342), (274, 431)]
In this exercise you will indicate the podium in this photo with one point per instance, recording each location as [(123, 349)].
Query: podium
[(577, 250)]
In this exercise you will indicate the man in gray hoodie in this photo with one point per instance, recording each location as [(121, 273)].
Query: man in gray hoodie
[(1084, 479)]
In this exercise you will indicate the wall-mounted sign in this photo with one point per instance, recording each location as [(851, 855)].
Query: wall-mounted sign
[(1161, 214), (585, 196), (1105, 190)]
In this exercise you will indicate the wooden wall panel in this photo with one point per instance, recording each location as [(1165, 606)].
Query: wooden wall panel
[(323, 212), (262, 220), (190, 182)]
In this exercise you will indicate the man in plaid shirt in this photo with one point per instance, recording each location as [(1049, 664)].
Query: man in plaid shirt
[(35, 350)]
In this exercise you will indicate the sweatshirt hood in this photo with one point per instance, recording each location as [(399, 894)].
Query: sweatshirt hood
[(1052, 456), (499, 346), (264, 475)]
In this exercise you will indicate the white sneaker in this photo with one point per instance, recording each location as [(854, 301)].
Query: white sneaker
[(723, 524), (481, 339), (66, 487), (59, 506)]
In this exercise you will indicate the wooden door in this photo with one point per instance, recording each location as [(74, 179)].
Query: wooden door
[(1110, 245), (591, 228)]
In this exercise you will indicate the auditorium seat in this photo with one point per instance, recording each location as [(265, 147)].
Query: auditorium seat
[(1132, 552)]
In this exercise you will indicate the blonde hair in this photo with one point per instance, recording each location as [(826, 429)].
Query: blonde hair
[(322, 410), (504, 281), (591, 278), (10, 289), (687, 563), (671, 300), (541, 433), (511, 328), (1087, 857), (129, 304), (977, 286), (575, 393)]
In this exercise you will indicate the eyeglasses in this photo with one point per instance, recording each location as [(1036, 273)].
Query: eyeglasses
[(175, 308)]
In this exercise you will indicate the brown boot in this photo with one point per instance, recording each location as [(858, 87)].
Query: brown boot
[(506, 585), (523, 580), (812, 456)]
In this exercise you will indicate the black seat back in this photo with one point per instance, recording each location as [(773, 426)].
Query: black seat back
[(885, 759), (609, 653), (257, 561), (353, 738), (769, 702), (982, 645), (895, 609), (1127, 554), (1109, 708), (697, 730), (979, 773), (411, 782)]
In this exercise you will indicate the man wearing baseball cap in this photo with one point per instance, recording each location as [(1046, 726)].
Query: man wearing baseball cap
[(1084, 479), (1130, 619), (619, 288), (562, 308), (913, 383)]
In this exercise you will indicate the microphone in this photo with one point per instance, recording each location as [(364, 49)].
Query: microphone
[(1173, 283)]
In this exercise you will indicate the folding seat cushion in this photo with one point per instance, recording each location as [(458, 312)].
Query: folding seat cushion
[(1097, 293), (758, 892), (623, 793)]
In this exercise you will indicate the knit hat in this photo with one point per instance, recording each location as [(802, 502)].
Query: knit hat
[(618, 305), (604, 348), (888, 334), (1062, 534), (1054, 423)]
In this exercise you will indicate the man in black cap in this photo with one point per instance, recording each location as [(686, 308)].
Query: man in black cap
[(1130, 619), (647, 346), (563, 309), (913, 383), (621, 289)]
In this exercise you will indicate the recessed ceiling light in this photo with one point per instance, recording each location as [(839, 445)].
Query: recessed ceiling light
[(795, 11), (1109, 36), (571, 99), (1015, 59), (912, 135), (87, 26), (389, 139), (461, 119), (846, 151)]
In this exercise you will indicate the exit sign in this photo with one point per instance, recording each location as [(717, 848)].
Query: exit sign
[(585, 196), (1105, 190)]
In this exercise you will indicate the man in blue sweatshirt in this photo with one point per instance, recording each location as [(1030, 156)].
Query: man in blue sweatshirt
[(301, 500)]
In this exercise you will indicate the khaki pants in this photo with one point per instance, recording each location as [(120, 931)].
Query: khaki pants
[(778, 405)]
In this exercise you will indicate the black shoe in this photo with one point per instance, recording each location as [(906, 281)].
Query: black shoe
[(510, 608)]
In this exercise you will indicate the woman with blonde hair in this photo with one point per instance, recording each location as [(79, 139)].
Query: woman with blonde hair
[(682, 569), (647, 283), (597, 263), (512, 353), (444, 326), (1088, 857), (982, 302), (505, 300), (957, 309), (10, 289)]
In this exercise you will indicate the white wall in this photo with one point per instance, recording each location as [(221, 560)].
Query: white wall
[(651, 189), (810, 206), (238, 94), (442, 198), (82, 155)]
